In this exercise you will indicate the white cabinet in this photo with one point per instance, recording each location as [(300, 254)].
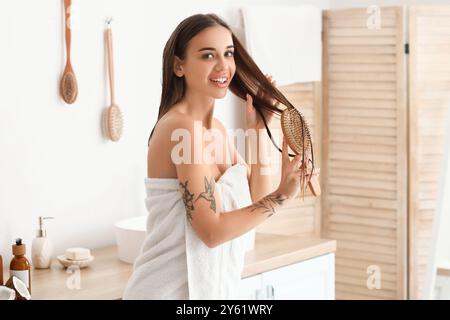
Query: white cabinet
[(251, 288), (441, 289), (309, 279)]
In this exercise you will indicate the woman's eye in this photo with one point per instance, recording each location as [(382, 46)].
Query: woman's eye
[(210, 55)]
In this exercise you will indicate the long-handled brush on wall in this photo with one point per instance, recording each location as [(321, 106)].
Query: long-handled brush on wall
[(68, 84), (112, 118)]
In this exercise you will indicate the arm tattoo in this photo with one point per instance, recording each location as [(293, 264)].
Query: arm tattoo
[(268, 202), (188, 197), (208, 194)]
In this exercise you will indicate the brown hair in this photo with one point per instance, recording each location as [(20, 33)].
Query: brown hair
[(247, 79)]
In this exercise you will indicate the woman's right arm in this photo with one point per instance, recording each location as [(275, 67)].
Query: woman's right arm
[(203, 204)]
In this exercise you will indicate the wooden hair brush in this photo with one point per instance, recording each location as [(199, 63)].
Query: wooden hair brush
[(297, 135)]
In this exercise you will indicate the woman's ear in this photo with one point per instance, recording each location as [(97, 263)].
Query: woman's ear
[(178, 67)]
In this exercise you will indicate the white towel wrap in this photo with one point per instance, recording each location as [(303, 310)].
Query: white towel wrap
[(174, 263)]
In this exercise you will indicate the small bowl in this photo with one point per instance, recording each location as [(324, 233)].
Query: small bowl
[(80, 263)]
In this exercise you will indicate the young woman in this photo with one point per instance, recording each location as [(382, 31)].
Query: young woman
[(199, 212)]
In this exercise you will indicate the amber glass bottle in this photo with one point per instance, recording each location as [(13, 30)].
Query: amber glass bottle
[(20, 266), (1, 270)]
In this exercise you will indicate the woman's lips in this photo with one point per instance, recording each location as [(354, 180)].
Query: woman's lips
[(220, 85)]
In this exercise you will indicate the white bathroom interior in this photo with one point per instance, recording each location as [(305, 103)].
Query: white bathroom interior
[(56, 161)]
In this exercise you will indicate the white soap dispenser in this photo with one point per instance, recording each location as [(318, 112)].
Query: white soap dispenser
[(42, 247)]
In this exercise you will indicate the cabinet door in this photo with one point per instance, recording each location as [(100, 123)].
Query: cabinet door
[(310, 279), (251, 288)]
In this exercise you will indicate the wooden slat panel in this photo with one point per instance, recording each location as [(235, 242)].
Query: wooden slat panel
[(358, 23), (429, 97), (373, 258), (363, 212), (358, 103), (364, 168), (352, 94), (350, 264), (364, 230), (359, 58), (361, 273), (356, 86), (361, 280), (364, 291), (349, 295), (361, 238), (362, 32), (339, 137), (363, 202)]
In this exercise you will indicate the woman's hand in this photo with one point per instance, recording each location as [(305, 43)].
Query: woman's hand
[(253, 118), (289, 185)]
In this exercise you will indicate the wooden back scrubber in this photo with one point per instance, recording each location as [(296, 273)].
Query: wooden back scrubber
[(68, 85), (113, 118)]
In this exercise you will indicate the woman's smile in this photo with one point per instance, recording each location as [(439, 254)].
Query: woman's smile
[(220, 81)]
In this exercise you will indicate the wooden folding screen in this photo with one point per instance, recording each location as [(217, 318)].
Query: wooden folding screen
[(429, 92), (364, 167)]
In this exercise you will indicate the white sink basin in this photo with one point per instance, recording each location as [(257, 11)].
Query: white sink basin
[(130, 234)]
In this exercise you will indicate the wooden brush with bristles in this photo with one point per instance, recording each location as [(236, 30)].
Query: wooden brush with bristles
[(113, 118), (68, 85), (296, 132)]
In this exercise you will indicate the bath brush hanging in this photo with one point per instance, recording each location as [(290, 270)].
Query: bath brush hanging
[(68, 85), (296, 132), (112, 118)]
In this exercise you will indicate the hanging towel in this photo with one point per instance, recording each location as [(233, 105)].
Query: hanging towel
[(285, 41), (174, 263)]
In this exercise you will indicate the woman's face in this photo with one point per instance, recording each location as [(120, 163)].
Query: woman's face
[(209, 63)]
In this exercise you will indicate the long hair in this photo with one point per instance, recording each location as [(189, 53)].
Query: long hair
[(248, 78)]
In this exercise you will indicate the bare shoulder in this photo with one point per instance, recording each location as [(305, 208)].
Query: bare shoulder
[(171, 121), (159, 157)]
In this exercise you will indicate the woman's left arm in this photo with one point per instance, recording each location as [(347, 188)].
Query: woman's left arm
[(259, 179)]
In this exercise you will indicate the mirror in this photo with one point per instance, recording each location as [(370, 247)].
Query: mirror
[(437, 285)]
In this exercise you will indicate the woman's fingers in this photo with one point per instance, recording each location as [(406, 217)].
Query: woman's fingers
[(285, 157), (249, 103), (296, 161), (275, 102)]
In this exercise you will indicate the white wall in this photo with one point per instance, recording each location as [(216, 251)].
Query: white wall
[(336, 4), (54, 160)]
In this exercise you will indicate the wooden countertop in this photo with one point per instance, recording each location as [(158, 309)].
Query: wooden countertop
[(275, 251), (107, 276), (443, 267)]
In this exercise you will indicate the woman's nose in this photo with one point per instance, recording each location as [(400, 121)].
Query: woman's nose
[(222, 64)]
